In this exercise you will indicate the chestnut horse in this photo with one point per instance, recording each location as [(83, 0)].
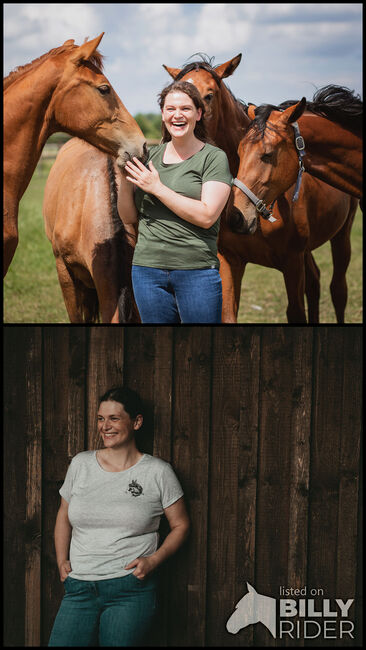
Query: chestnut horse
[(270, 159), (286, 244), (93, 257), (63, 90)]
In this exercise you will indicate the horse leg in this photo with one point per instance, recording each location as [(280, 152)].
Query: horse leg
[(11, 236), (312, 287), (231, 276), (341, 254), (294, 276), (81, 302)]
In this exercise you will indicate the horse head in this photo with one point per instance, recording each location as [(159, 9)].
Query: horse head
[(85, 104), (253, 608), (208, 81), (268, 162)]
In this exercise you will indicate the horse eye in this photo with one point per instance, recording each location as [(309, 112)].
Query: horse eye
[(208, 97), (104, 90), (266, 157)]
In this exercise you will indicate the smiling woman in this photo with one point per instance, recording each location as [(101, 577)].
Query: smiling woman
[(175, 215), (106, 533)]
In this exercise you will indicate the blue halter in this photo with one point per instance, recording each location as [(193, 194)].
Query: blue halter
[(259, 204)]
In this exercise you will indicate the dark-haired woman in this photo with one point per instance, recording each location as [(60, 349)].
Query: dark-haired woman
[(106, 532), (176, 208)]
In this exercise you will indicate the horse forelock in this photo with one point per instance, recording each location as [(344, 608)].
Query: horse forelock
[(258, 126), (96, 59), (199, 65)]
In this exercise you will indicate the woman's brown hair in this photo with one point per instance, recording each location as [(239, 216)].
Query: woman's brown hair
[(192, 92)]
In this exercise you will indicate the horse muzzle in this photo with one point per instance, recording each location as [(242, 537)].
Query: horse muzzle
[(240, 224)]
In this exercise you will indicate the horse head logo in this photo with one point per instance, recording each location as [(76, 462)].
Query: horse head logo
[(253, 608)]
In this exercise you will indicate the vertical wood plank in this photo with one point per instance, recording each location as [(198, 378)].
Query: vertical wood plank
[(15, 469), (350, 432), (325, 465), (163, 390), (163, 393), (104, 370), (141, 357), (191, 421), (64, 434), (283, 462), (233, 478), (33, 487)]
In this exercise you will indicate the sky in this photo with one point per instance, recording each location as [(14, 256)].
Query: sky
[(289, 50)]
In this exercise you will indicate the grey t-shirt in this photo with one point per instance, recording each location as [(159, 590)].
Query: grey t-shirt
[(115, 516)]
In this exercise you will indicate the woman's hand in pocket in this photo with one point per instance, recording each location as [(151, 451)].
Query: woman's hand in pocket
[(144, 566), (64, 569)]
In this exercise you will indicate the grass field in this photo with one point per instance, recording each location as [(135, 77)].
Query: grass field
[(32, 293)]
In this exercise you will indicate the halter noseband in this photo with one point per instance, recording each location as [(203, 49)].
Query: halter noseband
[(259, 204)]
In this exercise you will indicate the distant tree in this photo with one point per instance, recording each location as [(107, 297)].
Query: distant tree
[(150, 124)]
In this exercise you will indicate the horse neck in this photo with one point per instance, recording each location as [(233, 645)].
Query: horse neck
[(333, 154), (232, 125), (27, 123)]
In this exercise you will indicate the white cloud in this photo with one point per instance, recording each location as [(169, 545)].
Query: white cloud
[(286, 47), (37, 28)]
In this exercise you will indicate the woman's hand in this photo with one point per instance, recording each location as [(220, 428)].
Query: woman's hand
[(147, 179), (144, 566), (64, 569)]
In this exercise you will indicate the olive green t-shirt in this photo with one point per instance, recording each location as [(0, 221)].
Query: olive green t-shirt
[(166, 241)]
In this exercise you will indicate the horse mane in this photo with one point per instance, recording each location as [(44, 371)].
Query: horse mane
[(336, 103), (206, 63), (19, 71)]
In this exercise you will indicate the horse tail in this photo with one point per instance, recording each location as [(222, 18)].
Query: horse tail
[(127, 311)]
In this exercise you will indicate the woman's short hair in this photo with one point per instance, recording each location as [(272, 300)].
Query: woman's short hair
[(192, 92), (130, 399)]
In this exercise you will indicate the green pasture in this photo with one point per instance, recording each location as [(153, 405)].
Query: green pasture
[(32, 293)]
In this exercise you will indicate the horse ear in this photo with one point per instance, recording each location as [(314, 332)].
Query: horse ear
[(251, 589), (85, 51), (227, 69), (293, 113), (69, 42), (251, 111), (174, 72)]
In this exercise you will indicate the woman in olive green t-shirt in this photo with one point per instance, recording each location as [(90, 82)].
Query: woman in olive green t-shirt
[(177, 204)]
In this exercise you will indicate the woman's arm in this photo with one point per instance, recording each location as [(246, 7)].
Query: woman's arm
[(63, 531), (203, 212), (127, 209), (178, 520)]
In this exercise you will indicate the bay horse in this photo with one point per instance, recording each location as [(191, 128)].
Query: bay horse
[(63, 90), (331, 149), (283, 245)]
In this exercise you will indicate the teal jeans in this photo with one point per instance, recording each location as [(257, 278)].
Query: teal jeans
[(115, 612)]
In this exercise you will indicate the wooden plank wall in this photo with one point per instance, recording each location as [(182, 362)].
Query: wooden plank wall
[(262, 426)]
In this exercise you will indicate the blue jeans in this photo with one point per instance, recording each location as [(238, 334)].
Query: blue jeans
[(177, 296), (115, 612)]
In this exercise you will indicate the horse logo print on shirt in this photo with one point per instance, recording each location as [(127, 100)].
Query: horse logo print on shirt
[(135, 489)]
